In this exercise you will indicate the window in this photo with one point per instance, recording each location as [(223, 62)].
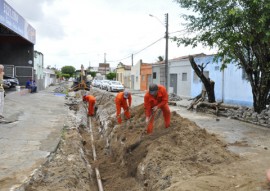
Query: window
[(154, 75), (184, 76), (136, 78), (143, 77)]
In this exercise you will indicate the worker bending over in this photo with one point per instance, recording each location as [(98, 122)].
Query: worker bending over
[(91, 104), (156, 98), (123, 100)]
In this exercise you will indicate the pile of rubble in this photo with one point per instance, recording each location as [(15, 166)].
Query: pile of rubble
[(174, 97), (249, 115)]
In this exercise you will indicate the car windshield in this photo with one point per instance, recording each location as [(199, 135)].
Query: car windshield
[(116, 83)]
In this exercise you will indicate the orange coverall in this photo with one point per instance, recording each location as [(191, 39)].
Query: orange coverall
[(91, 103), (121, 102), (161, 101)]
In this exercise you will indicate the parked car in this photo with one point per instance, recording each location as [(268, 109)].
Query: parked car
[(103, 84), (96, 83), (12, 80), (6, 84), (115, 86)]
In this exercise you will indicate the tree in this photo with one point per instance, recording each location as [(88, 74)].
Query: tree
[(111, 76), (68, 70), (160, 59), (66, 76), (58, 74), (240, 31), (93, 74), (208, 84)]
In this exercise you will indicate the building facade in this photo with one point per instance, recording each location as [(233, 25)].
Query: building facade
[(17, 39)]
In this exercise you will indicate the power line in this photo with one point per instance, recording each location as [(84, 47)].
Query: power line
[(148, 46), (184, 30), (137, 51)]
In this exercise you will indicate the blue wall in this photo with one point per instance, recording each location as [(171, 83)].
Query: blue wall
[(229, 84)]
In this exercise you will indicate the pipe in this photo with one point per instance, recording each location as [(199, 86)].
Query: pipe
[(100, 187)]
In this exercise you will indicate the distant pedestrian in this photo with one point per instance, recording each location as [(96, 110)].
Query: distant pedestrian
[(123, 100), (31, 86), (156, 98), (91, 104)]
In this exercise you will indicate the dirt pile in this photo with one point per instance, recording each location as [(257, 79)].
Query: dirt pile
[(180, 158), (161, 160)]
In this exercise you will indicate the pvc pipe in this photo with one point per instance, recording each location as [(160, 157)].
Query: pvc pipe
[(100, 187)]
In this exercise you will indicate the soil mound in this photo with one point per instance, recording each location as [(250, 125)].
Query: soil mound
[(161, 160)]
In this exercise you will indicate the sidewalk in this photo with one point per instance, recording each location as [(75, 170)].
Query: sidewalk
[(34, 132)]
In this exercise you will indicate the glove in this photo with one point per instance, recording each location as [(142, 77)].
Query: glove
[(155, 108)]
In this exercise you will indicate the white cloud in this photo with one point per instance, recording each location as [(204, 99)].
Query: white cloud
[(78, 32)]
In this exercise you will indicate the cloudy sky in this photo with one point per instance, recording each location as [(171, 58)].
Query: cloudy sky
[(89, 32)]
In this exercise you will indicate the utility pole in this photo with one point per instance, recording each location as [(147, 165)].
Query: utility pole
[(166, 52), (131, 59)]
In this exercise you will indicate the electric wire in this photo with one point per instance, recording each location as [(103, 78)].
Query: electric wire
[(118, 60), (137, 51)]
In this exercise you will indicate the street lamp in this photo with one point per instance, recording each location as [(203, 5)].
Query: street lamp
[(166, 47)]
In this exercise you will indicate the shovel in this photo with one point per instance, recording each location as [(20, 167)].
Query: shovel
[(150, 118)]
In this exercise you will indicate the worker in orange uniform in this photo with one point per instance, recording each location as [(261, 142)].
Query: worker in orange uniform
[(123, 100), (91, 104), (156, 98)]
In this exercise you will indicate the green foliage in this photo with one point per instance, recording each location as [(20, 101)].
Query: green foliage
[(66, 76), (68, 70), (93, 74), (160, 59), (111, 76), (58, 74), (239, 29)]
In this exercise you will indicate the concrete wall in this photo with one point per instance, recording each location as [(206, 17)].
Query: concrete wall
[(146, 76), (136, 72), (156, 69), (230, 86), (126, 76), (237, 90), (120, 75), (50, 77), (183, 70), (38, 66)]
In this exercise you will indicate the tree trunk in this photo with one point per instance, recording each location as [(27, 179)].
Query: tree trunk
[(260, 85), (208, 84)]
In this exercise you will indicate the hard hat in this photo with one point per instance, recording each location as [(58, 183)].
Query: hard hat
[(153, 88), (126, 94)]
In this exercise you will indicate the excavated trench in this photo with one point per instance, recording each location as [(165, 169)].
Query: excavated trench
[(182, 157)]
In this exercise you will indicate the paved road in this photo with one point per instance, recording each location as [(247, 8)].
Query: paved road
[(37, 120)]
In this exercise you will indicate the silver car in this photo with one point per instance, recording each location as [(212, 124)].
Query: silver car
[(12, 80), (6, 84), (115, 86), (103, 84)]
